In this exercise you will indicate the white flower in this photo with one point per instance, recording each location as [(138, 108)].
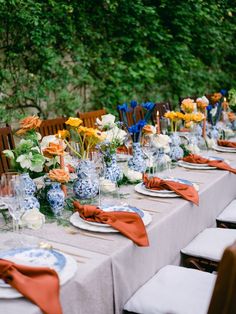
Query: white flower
[(25, 160), (9, 153), (203, 99), (162, 141), (133, 175), (33, 219), (107, 185), (50, 139), (213, 111), (115, 134), (39, 136), (194, 149), (210, 142), (108, 120)]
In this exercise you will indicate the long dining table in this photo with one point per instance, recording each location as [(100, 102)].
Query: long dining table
[(110, 267)]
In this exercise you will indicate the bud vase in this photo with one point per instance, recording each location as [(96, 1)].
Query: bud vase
[(137, 162), (112, 170), (176, 152), (30, 201), (87, 184), (56, 197)]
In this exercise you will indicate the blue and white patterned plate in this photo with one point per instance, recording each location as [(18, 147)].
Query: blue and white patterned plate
[(34, 257), (117, 208)]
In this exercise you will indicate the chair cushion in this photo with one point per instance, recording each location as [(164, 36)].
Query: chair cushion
[(210, 243), (175, 290), (229, 213)]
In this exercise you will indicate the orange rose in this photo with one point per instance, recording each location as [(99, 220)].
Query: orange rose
[(225, 105), (216, 97), (59, 175), (53, 150), (201, 105), (29, 123), (149, 129), (231, 116)]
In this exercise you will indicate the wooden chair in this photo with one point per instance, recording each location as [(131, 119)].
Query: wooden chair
[(177, 289), (227, 219), (89, 118), (205, 250), (52, 126), (6, 142), (139, 115)]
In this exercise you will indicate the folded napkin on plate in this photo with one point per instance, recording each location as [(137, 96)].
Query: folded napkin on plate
[(40, 285), (220, 164), (124, 150), (129, 224), (226, 143), (188, 192)]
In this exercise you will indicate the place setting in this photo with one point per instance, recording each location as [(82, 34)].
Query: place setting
[(225, 146)]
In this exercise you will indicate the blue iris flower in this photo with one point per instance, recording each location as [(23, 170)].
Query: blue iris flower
[(141, 124), (209, 107), (148, 105), (224, 92), (133, 129), (133, 103), (123, 107)]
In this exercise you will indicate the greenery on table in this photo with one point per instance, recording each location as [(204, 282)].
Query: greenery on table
[(126, 181), (58, 56)]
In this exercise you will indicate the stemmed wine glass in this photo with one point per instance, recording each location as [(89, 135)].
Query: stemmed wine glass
[(149, 151), (12, 194)]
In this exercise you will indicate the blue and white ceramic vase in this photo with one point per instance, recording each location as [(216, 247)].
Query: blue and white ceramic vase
[(137, 162), (87, 184), (214, 133), (176, 152), (112, 170), (30, 201), (56, 198)]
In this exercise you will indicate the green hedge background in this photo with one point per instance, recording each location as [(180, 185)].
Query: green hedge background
[(59, 56)]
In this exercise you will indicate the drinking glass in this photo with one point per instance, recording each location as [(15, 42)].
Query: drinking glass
[(164, 125), (12, 194), (149, 151)]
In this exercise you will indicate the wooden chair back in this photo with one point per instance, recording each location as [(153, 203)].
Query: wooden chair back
[(138, 114), (6, 142), (89, 118), (52, 126), (223, 299)]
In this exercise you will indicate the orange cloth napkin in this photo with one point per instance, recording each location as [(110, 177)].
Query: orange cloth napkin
[(124, 150), (38, 284), (226, 143), (220, 164), (129, 224), (188, 192)]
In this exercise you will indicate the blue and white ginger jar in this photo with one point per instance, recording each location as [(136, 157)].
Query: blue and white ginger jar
[(29, 188), (137, 162), (112, 170), (176, 152), (56, 198), (87, 184)]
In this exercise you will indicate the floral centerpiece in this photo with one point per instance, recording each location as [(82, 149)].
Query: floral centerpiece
[(114, 137), (137, 162), (27, 156), (214, 109), (86, 139)]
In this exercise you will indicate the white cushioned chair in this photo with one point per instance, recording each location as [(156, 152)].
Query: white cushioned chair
[(179, 290), (227, 219), (206, 249)]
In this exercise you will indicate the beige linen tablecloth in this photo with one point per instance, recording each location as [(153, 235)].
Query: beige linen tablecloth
[(111, 268)]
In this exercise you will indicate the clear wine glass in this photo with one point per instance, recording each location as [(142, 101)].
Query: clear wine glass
[(164, 125), (12, 194), (149, 151)]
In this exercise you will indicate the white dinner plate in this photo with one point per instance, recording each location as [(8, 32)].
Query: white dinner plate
[(123, 157), (77, 221), (168, 192), (117, 208), (63, 264), (182, 163), (140, 188), (224, 149)]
